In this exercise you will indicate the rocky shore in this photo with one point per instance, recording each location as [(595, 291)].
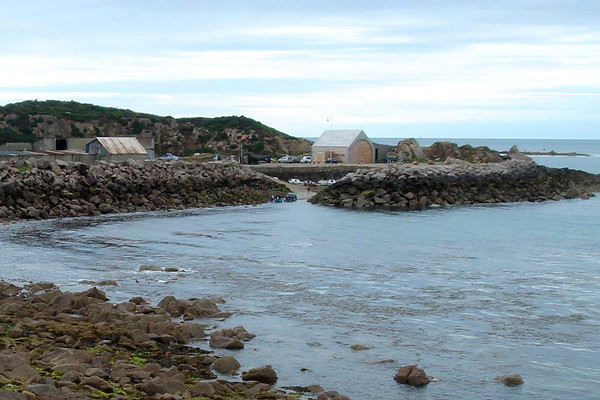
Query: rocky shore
[(40, 189), (456, 182), (57, 345)]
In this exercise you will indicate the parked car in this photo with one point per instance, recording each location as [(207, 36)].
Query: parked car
[(169, 157), (295, 181), (332, 160), (291, 197), (264, 158), (326, 182), (288, 159), (306, 159)]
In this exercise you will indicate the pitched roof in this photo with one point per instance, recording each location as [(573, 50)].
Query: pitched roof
[(121, 145), (339, 138)]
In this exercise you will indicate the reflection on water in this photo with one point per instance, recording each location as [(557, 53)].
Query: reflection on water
[(468, 293)]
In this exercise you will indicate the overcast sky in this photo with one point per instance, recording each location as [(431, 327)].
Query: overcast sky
[(423, 68)]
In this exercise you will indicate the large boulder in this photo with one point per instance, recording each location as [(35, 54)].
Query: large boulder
[(264, 374), (515, 154), (226, 364), (408, 150), (412, 375)]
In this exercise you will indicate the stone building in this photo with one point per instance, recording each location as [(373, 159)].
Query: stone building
[(349, 146)]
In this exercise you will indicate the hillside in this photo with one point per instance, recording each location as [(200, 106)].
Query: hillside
[(29, 121)]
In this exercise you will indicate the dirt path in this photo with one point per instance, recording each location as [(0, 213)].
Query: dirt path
[(301, 191)]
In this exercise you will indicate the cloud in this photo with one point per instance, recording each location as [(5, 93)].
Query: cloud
[(390, 64)]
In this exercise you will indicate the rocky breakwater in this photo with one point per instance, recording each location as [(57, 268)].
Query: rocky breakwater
[(40, 189), (57, 345), (415, 187)]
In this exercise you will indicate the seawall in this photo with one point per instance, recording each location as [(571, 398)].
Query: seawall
[(414, 187), (40, 189)]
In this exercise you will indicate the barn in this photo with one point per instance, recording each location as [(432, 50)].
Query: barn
[(116, 148), (349, 146)]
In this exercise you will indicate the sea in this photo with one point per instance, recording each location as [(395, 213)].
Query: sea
[(468, 293)]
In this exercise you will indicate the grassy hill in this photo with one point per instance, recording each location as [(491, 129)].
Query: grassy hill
[(29, 121)]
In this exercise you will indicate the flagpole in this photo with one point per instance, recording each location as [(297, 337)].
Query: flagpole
[(331, 135)]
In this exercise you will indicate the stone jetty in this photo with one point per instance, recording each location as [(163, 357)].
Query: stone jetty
[(42, 189), (455, 182)]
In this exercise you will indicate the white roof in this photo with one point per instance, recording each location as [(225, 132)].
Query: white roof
[(339, 138), (122, 145)]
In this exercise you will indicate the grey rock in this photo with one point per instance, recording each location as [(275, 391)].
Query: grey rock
[(226, 364), (510, 379), (264, 374)]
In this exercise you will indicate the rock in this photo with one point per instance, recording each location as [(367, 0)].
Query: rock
[(264, 374), (203, 389), (408, 150), (43, 164), (22, 372), (98, 383), (95, 293), (149, 268), (43, 390), (10, 395), (412, 375), (445, 150), (67, 356), (403, 373), (154, 387), (455, 161), (332, 395), (71, 376), (107, 283), (139, 336), (256, 389), (315, 388), (16, 332), (221, 342), (418, 378), (230, 338), (226, 364), (34, 213), (105, 208), (515, 154), (359, 347), (510, 379), (210, 388), (383, 361), (138, 300)]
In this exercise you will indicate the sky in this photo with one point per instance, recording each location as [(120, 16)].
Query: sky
[(422, 68)]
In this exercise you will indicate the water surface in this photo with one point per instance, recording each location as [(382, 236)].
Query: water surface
[(468, 293)]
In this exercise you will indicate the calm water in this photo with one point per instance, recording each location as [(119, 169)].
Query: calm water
[(467, 293)]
